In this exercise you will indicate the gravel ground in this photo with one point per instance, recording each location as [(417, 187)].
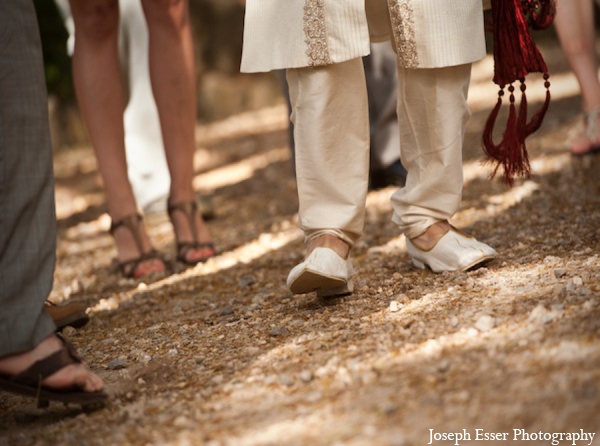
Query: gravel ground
[(223, 354)]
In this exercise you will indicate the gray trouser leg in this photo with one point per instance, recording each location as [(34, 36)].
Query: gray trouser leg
[(27, 213)]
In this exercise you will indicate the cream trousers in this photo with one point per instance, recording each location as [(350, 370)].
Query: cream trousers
[(330, 116)]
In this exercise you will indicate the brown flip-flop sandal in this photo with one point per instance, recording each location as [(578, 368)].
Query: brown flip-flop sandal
[(29, 382)]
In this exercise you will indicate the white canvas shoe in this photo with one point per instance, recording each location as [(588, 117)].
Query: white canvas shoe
[(455, 251), (323, 271)]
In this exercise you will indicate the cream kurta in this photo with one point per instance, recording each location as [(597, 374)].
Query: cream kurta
[(301, 33)]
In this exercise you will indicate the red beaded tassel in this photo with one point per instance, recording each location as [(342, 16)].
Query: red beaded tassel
[(515, 56)]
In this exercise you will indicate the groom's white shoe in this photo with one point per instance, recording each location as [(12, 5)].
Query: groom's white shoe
[(455, 251), (323, 271)]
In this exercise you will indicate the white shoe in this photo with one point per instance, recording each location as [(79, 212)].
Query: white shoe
[(323, 271), (455, 251)]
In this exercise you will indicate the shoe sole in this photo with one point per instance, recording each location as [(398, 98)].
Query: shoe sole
[(345, 290), (75, 321), (325, 286), (44, 395), (476, 264)]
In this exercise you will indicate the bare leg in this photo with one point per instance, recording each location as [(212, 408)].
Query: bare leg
[(97, 78), (172, 74), (575, 27), (146, 162)]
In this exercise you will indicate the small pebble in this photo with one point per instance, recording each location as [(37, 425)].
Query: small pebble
[(551, 259), (485, 323), (286, 380), (226, 311), (561, 272), (69, 331), (443, 365), (246, 281), (117, 364), (279, 331), (541, 315), (306, 375), (389, 408), (180, 421)]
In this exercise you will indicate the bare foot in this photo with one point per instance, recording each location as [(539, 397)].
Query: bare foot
[(431, 236), (74, 375), (329, 241)]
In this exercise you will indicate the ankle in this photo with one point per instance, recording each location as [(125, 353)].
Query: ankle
[(179, 197), (329, 241), (431, 236), (14, 364)]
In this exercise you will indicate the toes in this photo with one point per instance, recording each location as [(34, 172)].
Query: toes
[(75, 375), (149, 267), (197, 255), (94, 383)]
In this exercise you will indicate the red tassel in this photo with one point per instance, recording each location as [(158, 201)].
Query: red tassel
[(511, 152), (515, 55), (536, 120), (492, 150), (539, 14)]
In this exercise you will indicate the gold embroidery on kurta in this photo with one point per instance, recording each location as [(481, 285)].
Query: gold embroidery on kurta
[(315, 31), (403, 25)]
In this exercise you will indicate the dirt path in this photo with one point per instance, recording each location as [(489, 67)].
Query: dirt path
[(223, 355)]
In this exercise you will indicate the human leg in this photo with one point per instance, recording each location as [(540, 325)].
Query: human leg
[(433, 112), (172, 75), (146, 161), (574, 24), (28, 221), (332, 148), (100, 95)]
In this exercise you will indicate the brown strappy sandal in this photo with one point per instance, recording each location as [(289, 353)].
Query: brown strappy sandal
[(129, 267), (29, 382), (589, 142), (190, 210)]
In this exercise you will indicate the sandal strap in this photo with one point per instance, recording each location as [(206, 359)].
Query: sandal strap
[(189, 209), (591, 123), (132, 223), (128, 267), (40, 370), (184, 247)]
